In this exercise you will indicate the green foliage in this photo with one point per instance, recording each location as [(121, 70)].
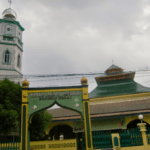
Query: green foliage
[(40, 122), (10, 112), (10, 106)]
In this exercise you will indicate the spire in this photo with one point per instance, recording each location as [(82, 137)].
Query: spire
[(9, 1)]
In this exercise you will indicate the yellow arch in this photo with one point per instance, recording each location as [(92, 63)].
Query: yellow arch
[(146, 118), (53, 124)]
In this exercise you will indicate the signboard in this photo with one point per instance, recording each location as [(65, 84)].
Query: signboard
[(67, 99)]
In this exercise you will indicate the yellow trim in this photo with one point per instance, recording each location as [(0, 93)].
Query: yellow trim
[(85, 93), (31, 118), (24, 99), (135, 148), (27, 126), (146, 118), (69, 144), (54, 90), (85, 129), (85, 97), (85, 126), (53, 124), (112, 137), (26, 144), (122, 97)]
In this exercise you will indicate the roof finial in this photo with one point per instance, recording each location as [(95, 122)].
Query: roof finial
[(112, 62), (9, 1)]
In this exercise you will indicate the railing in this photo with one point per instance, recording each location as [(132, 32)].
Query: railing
[(10, 146), (14, 144), (53, 145), (101, 139), (132, 137)]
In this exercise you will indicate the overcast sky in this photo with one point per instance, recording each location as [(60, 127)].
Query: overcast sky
[(80, 36)]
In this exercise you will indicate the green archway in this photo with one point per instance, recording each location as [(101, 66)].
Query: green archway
[(72, 97)]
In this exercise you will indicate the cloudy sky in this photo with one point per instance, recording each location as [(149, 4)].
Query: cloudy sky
[(82, 36)]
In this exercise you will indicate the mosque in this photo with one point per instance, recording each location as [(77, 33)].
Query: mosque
[(11, 47), (115, 103)]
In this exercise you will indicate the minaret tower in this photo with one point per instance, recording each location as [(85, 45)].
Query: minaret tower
[(11, 46)]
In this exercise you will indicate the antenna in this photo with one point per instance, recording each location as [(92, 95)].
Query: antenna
[(9, 1), (112, 62)]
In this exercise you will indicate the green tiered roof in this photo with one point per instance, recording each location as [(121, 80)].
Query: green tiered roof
[(113, 66), (117, 86)]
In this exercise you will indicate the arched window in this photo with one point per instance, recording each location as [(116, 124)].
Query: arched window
[(18, 61), (7, 57)]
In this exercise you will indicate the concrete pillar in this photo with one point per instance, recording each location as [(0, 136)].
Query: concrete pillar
[(144, 136), (116, 141)]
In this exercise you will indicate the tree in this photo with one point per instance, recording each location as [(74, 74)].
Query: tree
[(10, 111), (39, 124), (10, 106)]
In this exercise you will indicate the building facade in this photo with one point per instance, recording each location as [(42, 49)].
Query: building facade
[(115, 105), (11, 47)]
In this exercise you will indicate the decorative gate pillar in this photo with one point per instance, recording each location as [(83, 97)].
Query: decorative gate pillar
[(87, 119), (143, 131), (24, 117), (44, 98)]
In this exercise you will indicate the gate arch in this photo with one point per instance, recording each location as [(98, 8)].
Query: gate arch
[(133, 124), (64, 129), (72, 97)]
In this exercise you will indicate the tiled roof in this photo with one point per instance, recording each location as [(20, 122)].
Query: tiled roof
[(117, 87), (112, 67), (138, 105), (62, 112)]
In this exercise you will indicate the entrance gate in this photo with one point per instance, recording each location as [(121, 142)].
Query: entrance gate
[(36, 99)]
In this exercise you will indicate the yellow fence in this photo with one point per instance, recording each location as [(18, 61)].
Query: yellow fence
[(54, 145), (10, 146)]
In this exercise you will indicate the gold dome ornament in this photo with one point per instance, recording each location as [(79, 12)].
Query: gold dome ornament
[(25, 83), (84, 81)]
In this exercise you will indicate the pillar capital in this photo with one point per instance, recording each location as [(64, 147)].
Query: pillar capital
[(142, 126), (25, 83), (84, 81)]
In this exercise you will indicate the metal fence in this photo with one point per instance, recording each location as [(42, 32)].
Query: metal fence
[(131, 137), (101, 139), (12, 145)]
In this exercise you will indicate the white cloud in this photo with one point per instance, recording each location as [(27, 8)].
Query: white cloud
[(83, 36)]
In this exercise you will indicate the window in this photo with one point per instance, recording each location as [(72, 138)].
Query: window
[(7, 38), (18, 61), (7, 57)]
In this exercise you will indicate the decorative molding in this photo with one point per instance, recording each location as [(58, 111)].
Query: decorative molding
[(14, 44), (11, 29), (13, 22), (122, 98), (13, 37), (129, 113), (11, 70)]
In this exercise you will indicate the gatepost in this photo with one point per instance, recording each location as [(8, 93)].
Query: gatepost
[(27, 111), (24, 117), (87, 118)]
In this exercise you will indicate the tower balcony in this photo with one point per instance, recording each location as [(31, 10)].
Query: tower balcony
[(11, 40)]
